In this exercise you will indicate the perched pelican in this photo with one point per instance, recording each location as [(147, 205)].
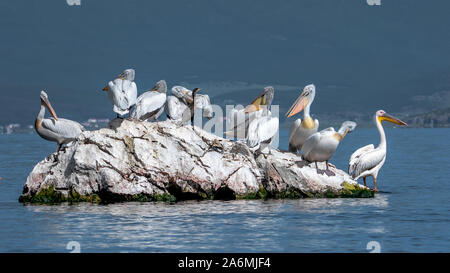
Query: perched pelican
[(368, 160), (302, 129), (122, 92), (177, 108), (262, 130), (150, 105), (321, 146), (61, 131), (240, 120)]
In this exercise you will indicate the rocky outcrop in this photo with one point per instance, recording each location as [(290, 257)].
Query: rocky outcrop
[(141, 161)]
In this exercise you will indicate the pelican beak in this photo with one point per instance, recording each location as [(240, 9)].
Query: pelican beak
[(298, 105), (256, 104), (392, 119), (49, 107), (106, 88)]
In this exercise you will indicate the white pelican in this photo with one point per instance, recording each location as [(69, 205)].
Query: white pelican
[(368, 160), (177, 105), (262, 130), (150, 104), (61, 131), (321, 146), (122, 92), (302, 129)]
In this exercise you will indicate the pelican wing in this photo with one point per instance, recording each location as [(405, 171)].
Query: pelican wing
[(262, 130), (63, 127), (148, 105), (367, 161), (356, 155), (122, 94), (175, 108), (310, 143)]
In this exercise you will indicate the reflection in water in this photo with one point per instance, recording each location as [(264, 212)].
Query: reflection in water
[(243, 225)]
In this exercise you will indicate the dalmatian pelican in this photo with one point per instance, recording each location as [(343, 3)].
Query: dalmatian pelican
[(61, 131), (122, 92), (263, 129), (302, 129), (177, 106), (321, 146), (150, 105), (368, 160)]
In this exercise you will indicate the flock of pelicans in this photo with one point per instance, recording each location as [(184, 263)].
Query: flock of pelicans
[(254, 124)]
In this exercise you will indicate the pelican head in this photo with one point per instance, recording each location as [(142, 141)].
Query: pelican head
[(127, 74), (305, 98), (347, 127), (381, 115), (160, 87), (264, 99), (46, 103)]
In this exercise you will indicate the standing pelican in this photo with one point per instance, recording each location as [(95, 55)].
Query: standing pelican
[(262, 130), (321, 146), (177, 104), (368, 160), (302, 129), (61, 131), (122, 92), (150, 105)]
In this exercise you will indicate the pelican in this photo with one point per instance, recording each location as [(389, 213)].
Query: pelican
[(122, 92), (241, 119), (177, 108), (263, 129), (61, 131), (150, 105), (368, 160), (302, 129), (321, 146)]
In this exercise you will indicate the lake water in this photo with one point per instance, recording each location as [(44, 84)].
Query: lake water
[(411, 214)]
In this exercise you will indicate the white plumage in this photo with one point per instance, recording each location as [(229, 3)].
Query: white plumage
[(177, 108), (321, 146), (122, 92), (261, 132), (368, 160), (300, 130), (61, 131), (150, 105)]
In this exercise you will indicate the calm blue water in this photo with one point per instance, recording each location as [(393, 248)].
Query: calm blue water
[(412, 214)]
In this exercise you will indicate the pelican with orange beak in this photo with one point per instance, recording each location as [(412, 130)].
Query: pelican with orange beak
[(262, 130), (61, 131), (302, 129), (368, 160), (122, 92)]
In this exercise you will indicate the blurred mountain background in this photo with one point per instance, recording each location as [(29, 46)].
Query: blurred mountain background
[(361, 58)]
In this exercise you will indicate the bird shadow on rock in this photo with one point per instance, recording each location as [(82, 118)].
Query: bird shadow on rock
[(115, 123)]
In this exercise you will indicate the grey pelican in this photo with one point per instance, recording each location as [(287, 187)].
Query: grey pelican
[(122, 92), (263, 129), (368, 160), (302, 129), (61, 131), (177, 106), (321, 146), (150, 104)]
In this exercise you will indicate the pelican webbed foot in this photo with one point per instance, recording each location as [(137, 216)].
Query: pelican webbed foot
[(329, 173)]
